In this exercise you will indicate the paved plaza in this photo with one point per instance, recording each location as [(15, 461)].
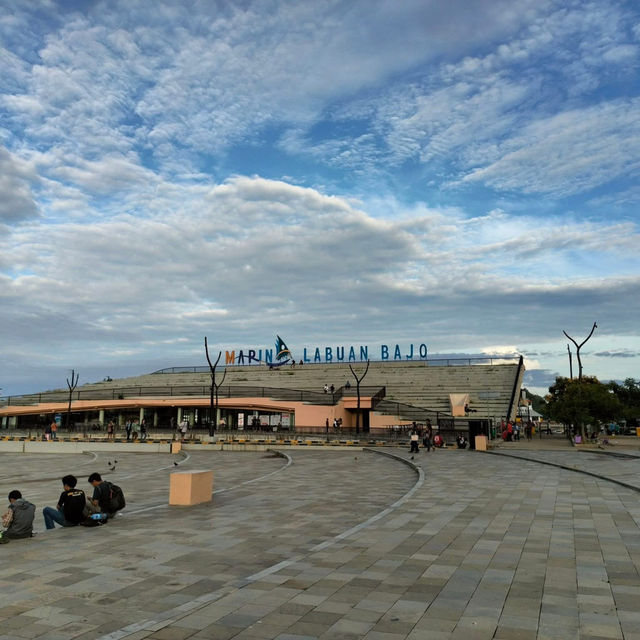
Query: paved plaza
[(333, 544)]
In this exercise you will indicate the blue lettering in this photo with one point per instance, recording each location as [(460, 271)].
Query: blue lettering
[(410, 356), (316, 355), (241, 357), (339, 354), (268, 356), (304, 355), (328, 354), (352, 354), (384, 352), (423, 351), (252, 355), (364, 353), (396, 354)]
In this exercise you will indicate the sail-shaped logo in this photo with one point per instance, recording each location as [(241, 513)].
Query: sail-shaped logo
[(282, 351)]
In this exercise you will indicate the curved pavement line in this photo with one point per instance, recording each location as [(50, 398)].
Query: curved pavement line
[(25, 479), (599, 476), (164, 504), (90, 453), (170, 466), (171, 616)]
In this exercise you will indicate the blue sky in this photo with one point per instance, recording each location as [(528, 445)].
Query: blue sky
[(463, 174)]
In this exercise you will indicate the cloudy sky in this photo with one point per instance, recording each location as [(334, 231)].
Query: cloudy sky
[(461, 174)]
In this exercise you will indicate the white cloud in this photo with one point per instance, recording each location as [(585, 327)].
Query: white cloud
[(570, 152), (16, 198), (256, 251)]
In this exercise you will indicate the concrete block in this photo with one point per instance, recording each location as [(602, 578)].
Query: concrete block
[(187, 488)]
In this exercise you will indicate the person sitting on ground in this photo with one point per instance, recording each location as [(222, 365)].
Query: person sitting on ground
[(461, 441), (18, 519), (438, 441), (101, 499), (71, 509)]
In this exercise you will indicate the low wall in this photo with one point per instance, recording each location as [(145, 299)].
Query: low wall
[(36, 446), (25, 446)]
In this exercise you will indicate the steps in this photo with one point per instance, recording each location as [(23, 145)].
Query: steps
[(413, 383)]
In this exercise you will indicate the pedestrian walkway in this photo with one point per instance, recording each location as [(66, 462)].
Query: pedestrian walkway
[(331, 545)]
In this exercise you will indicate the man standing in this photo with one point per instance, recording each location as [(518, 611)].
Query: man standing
[(71, 509), (415, 438), (18, 520), (426, 440)]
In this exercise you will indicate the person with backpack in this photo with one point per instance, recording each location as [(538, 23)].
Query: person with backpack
[(18, 520), (107, 497), (71, 509)]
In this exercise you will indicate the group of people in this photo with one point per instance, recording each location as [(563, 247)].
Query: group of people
[(74, 508), (337, 424), (429, 439), (511, 431), (134, 428), (51, 431), (331, 388)]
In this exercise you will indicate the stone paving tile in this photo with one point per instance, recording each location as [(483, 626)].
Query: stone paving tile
[(488, 547)]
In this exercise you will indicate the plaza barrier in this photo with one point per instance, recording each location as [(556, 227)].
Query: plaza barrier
[(188, 488)]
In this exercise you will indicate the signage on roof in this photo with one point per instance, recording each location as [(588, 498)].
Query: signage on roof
[(281, 354)]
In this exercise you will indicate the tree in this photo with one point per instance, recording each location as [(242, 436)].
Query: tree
[(628, 394), (578, 347), (213, 398), (72, 385), (358, 381), (578, 403), (538, 403)]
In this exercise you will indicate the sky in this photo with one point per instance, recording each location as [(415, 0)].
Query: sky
[(459, 174)]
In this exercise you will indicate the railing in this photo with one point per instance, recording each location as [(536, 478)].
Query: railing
[(228, 391), (433, 362), (408, 411), (514, 390)]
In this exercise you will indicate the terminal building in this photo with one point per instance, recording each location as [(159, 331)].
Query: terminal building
[(467, 395)]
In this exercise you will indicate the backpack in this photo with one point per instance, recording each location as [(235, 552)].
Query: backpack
[(116, 498)]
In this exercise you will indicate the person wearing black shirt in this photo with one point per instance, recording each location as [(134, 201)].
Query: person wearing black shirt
[(72, 506), (101, 499)]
